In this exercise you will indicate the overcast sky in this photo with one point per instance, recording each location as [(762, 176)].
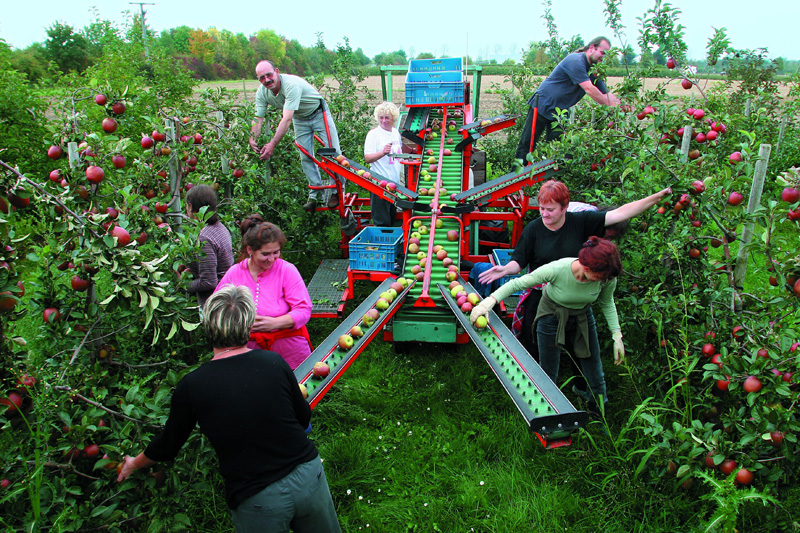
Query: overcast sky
[(482, 29)]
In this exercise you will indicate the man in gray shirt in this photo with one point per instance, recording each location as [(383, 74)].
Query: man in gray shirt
[(564, 88), (305, 108)]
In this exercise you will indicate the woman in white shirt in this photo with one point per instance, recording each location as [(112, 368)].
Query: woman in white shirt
[(381, 141)]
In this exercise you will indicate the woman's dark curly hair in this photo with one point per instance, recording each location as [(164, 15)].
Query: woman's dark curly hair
[(256, 233)]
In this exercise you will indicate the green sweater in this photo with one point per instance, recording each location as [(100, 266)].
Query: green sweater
[(565, 290)]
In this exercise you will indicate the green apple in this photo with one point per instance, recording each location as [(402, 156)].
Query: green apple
[(481, 322), (455, 290)]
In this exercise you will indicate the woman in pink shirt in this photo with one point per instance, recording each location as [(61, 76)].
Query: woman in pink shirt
[(283, 305)]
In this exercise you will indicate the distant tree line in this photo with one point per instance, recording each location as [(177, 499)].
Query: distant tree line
[(221, 54)]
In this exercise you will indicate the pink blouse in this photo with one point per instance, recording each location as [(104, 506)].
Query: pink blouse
[(277, 291)]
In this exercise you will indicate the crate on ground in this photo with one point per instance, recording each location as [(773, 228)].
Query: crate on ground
[(502, 257), (435, 81), (376, 248)]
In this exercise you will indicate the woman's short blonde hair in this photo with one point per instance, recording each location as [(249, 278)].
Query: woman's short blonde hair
[(387, 108), (228, 316)]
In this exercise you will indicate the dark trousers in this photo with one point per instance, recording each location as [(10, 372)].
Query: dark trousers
[(384, 212), (529, 336), (542, 125)]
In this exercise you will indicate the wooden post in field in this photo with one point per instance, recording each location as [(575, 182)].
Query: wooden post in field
[(74, 156), (244, 90), (226, 169), (781, 133), (175, 211), (685, 142), (748, 107), (592, 120), (740, 268), (572, 115)]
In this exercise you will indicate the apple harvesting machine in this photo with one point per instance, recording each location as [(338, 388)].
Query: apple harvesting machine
[(418, 264)]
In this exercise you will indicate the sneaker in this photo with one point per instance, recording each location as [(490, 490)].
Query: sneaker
[(582, 394), (333, 201), (310, 205)]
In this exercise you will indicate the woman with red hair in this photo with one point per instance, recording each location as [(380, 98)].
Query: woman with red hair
[(556, 234), (564, 317)]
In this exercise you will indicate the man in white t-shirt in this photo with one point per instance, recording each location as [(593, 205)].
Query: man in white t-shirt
[(303, 107), (381, 141)]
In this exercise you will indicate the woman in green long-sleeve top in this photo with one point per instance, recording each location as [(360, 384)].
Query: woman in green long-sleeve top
[(564, 318)]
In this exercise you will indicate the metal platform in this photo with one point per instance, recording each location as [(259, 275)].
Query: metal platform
[(328, 289)]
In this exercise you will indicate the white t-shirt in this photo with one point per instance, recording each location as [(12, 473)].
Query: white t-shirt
[(386, 167)]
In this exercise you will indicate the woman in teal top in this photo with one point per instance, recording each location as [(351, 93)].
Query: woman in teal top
[(564, 318)]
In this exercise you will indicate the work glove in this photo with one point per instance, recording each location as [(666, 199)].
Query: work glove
[(482, 308), (619, 347)]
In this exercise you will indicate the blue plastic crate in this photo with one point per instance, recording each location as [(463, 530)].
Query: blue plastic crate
[(376, 249), (438, 93), (435, 77), (435, 81), (502, 257), (434, 65)]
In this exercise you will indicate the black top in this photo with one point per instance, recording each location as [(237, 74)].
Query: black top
[(251, 409), (539, 245)]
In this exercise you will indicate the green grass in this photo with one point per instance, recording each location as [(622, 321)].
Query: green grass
[(429, 441)]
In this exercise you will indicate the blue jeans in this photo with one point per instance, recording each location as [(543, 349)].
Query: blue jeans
[(550, 353), (300, 501), (304, 129)]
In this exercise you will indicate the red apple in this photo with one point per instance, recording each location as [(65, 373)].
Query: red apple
[(55, 152), (452, 235), (752, 384), (790, 194), (161, 207), (13, 401), (744, 477), (735, 198), (686, 84), (321, 370), (78, 284), (118, 161), (122, 235), (118, 108), (735, 157), (356, 332), (100, 99), (670, 63), (51, 315), (109, 125), (727, 466), (95, 174)]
